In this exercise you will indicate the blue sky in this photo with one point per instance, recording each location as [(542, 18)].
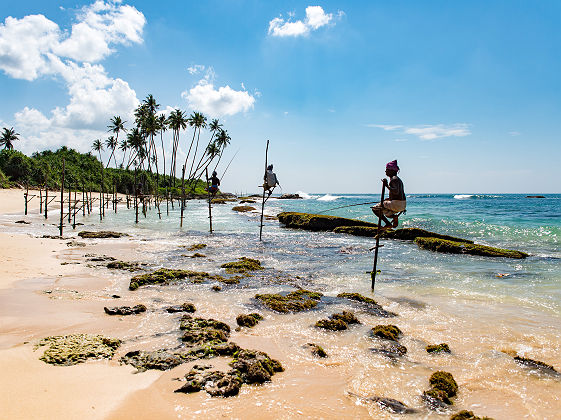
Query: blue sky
[(466, 95)]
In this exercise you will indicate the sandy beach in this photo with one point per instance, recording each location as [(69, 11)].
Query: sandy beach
[(51, 287)]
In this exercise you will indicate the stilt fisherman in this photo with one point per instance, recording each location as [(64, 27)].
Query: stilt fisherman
[(395, 204), (214, 183), (271, 180)]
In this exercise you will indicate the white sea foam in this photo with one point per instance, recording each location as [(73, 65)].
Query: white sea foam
[(328, 197), (304, 195), (463, 196)]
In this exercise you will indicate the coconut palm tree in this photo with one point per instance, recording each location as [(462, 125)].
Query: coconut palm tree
[(222, 140), (198, 121), (214, 127), (98, 147), (136, 144), (9, 135), (177, 121), (111, 143), (162, 127), (123, 146), (117, 125)]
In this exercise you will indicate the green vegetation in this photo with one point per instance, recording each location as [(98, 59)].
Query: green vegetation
[(242, 266), (467, 415), (102, 234), (444, 381), (77, 348), (316, 222), (196, 247), (332, 324), (299, 300), (452, 247), (165, 275), (202, 331), (387, 332), (438, 348), (249, 320)]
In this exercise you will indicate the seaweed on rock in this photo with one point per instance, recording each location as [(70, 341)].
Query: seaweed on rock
[(387, 332), (72, 349), (200, 331), (101, 234), (165, 275), (196, 247), (316, 350), (467, 415), (332, 324), (249, 320), (453, 247), (243, 209), (123, 265), (438, 348), (316, 222), (242, 266), (125, 310), (184, 307), (216, 383), (536, 365), (296, 301), (255, 367), (373, 307)]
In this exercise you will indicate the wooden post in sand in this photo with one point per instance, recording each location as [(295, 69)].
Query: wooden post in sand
[(40, 201), (62, 200), (263, 202), (25, 194), (378, 232), (209, 200), (182, 195), (46, 199), (135, 196), (69, 202)]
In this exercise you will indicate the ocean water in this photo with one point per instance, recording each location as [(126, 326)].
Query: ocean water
[(482, 307)]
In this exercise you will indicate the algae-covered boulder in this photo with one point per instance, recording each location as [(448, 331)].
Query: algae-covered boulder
[(200, 331), (157, 360), (102, 234), (72, 349), (467, 415), (390, 349), (125, 310), (249, 320), (216, 383), (316, 350), (369, 304), (123, 265), (347, 317), (444, 381), (332, 324), (196, 247), (184, 307), (299, 300), (368, 231), (165, 275), (411, 234), (387, 332), (197, 255), (452, 247), (255, 367), (317, 222), (438, 348), (242, 266), (243, 209)]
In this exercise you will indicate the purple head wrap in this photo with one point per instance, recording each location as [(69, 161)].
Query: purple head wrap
[(392, 165)]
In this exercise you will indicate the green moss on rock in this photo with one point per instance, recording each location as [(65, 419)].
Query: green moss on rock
[(123, 265), (77, 348), (467, 415), (317, 222), (297, 301), (452, 247), (438, 348), (249, 320), (199, 331), (243, 209), (387, 332), (317, 350), (196, 247), (332, 324), (165, 275), (347, 317), (242, 266), (373, 307), (255, 367), (444, 381), (535, 364), (184, 307), (101, 234)]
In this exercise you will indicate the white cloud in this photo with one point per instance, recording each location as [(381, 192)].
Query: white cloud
[(195, 69), (428, 132), (315, 19), (34, 46), (218, 102)]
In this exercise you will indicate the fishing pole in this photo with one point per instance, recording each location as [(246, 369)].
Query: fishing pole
[(350, 205), (229, 165)]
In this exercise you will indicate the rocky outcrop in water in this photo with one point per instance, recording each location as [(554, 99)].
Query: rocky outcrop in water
[(316, 350), (249, 320), (452, 247), (215, 382), (368, 304), (199, 331), (443, 387), (72, 349), (317, 222), (243, 209), (467, 415), (102, 234), (290, 197), (255, 367), (536, 365), (242, 266), (387, 332), (438, 348), (338, 322), (297, 301), (184, 307), (125, 310), (166, 275)]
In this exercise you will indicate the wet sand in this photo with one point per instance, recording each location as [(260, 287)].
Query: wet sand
[(48, 288)]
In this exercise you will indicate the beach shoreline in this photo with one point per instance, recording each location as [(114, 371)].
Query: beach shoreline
[(49, 287)]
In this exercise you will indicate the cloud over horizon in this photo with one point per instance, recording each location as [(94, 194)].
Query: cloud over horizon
[(315, 19), (428, 131)]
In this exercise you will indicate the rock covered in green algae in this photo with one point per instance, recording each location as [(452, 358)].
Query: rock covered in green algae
[(387, 332), (125, 310), (243, 209), (452, 247), (347, 317), (296, 301), (332, 324), (373, 307), (184, 307), (536, 365), (197, 255), (317, 222), (72, 349), (316, 350), (443, 387), (164, 275), (196, 247), (467, 415), (438, 348), (406, 234), (101, 234), (158, 360), (255, 367), (242, 266), (123, 265), (200, 331), (216, 383), (391, 349), (249, 320)]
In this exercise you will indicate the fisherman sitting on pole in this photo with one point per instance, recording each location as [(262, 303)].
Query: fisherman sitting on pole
[(214, 184), (271, 180), (395, 204)]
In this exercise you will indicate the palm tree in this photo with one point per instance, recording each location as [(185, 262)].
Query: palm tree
[(222, 140), (136, 143), (98, 147), (162, 127), (9, 135), (117, 125), (198, 121), (214, 127), (177, 122), (111, 143), (123, 146)]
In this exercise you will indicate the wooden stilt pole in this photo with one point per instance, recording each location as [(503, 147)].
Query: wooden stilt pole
[(62, 200), (25, 194), (74, 210), (135, 196), (46, 199), (373, 273), (209, 200), (182, 194), (84, 200), (69, 202), (40, 201), (167, 201), (263, 202)]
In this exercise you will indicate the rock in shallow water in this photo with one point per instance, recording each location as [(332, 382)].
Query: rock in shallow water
[(216, 383), (125, 310), (101, 234), (297, 301)]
